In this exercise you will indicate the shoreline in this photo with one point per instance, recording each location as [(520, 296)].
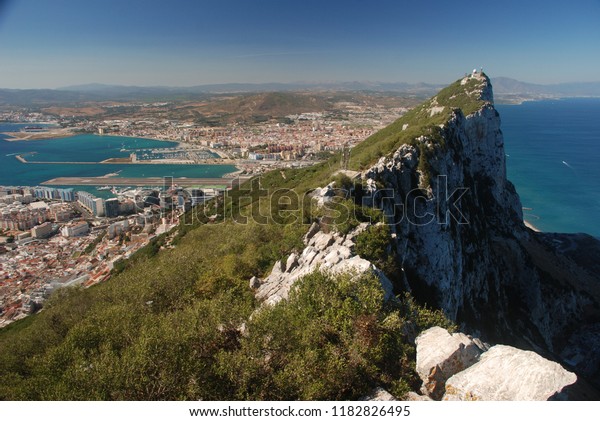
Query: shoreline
[(531, 226)]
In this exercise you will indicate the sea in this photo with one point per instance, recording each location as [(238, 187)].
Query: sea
[(54, 155), (553, 159)]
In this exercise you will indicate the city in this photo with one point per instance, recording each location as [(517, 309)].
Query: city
[(54, 237)]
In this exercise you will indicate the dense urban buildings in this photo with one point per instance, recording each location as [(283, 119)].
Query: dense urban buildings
[(48, 240)]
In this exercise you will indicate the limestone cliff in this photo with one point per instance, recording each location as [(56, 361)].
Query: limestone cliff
[(460, 238)]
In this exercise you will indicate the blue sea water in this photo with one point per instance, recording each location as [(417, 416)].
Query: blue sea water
[(87, 148), (553, 150)]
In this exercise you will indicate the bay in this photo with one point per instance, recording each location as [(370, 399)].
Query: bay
[(87, 148)]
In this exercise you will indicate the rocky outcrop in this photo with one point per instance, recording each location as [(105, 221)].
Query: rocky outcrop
[(459, 367), (329, 252), (461, 241), (507, 373), (440, 355)]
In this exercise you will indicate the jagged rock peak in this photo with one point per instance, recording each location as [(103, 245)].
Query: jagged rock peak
[(469, 95)]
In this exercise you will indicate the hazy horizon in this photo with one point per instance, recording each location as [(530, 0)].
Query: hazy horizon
[(190, 43)]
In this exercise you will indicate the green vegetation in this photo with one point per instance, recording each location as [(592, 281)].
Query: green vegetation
[(372, 244), (140, 334), (334, 338), (168, 327)]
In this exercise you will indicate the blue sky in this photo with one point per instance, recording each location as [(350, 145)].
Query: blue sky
[(53, 43)]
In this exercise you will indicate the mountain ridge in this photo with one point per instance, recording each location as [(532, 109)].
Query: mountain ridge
[(507, 91)]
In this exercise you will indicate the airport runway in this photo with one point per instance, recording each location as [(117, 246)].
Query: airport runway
[(140, 181)]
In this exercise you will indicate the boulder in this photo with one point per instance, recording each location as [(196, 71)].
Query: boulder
[(278, 268), (507, 373), (440, 355), (321, 240)]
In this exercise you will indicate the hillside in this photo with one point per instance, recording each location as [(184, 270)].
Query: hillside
[(306, 284)]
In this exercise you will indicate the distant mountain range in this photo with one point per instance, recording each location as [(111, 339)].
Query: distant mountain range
[(510, 90), (506, 90)]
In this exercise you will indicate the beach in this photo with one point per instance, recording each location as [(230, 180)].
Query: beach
[(531, 226)]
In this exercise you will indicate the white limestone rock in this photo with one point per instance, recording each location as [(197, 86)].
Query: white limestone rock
[(323, 195), (278, 268), (328, 252), (291, 262), (254, 282), (322, 240), (440, 355), (314, 228), (507, 373)]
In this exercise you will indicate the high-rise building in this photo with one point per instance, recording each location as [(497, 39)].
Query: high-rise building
[(42, 231), (50, 193), (99, 206), (111, 207), (75, 230), (94, 204), (66, 195)]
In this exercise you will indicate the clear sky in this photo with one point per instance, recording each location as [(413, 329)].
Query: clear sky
[(53, 43)]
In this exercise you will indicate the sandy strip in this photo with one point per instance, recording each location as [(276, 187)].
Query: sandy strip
[(531, 226)]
